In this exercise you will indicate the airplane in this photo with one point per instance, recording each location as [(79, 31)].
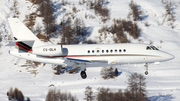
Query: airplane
[(81, 55)]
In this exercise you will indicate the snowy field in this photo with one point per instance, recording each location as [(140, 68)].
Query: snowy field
[(163, 81)]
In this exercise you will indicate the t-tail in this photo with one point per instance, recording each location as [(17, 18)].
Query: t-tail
[(24, 38), (28, 42)]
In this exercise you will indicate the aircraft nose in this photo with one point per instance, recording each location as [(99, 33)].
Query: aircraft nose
[(169, 56)]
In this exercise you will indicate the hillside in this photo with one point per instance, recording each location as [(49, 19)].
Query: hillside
[(162, 31)]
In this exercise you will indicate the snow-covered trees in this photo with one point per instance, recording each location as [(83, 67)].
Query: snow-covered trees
[(80, 28), (15, 94), (58, 69), (137, 87), (107, 72), (89, 94), (30, 21), (100, 9), (46, 11), (72, 32), (68, 35), (136, 91), (104, 94), (118, 29), (15, 9), (135, 11), (57, 95)]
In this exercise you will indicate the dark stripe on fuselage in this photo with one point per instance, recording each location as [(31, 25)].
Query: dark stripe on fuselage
[(24, 46), (78, 60)]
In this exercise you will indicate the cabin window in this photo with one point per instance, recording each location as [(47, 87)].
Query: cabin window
[(111, 50), (115, 50), (88, 51), (102, 51), (107, 51), (92, 51), (119, 50), (124, 50), (97, 51)]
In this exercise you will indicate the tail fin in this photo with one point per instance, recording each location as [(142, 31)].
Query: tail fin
[(22, 33)]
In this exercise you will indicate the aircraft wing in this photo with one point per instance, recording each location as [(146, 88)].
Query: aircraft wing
[(78, 60), (72, 60)]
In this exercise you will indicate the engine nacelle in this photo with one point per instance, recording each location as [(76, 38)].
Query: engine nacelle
[(48, 50)]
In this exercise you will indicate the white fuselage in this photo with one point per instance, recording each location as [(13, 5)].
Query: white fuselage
[(100, 54)]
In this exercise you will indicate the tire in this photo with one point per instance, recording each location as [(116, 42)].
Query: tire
[(146, 72), (83, 74)]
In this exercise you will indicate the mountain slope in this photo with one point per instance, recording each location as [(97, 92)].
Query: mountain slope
[(162, 82)]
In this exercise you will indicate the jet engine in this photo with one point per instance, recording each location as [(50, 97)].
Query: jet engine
[(48, 50)]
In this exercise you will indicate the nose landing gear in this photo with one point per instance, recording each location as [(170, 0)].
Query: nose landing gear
[(146, 67)]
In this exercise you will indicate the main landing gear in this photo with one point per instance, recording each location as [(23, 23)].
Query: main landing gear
[(146, 67), (83, 74)]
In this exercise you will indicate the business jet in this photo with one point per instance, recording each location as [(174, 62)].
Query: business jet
[(83, 56)]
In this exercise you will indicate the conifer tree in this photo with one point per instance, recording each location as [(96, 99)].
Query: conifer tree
[(15, 9), (137, 87), (46, 11), (89, 94), (116, 72)]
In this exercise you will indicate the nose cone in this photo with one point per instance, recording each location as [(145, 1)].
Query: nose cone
[(168, 56)]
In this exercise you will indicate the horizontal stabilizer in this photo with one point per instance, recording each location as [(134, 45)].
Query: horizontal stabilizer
[(23, 45), (13, 43)]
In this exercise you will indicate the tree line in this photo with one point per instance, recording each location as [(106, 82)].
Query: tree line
[(72, 31), (136, 91)]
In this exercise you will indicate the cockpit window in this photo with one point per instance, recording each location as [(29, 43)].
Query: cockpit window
[(148, 48), (155, 48), (151, 48)]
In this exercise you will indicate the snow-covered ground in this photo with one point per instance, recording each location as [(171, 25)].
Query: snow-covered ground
[(163, 81)]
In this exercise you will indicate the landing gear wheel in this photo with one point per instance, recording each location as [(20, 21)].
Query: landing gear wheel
[(146, 67), (83, 74), (146, 72)]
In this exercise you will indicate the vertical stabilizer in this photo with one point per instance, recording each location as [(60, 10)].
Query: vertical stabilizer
[(22, 33)]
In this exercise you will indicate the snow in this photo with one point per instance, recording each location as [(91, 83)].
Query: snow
[(163, 81)]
